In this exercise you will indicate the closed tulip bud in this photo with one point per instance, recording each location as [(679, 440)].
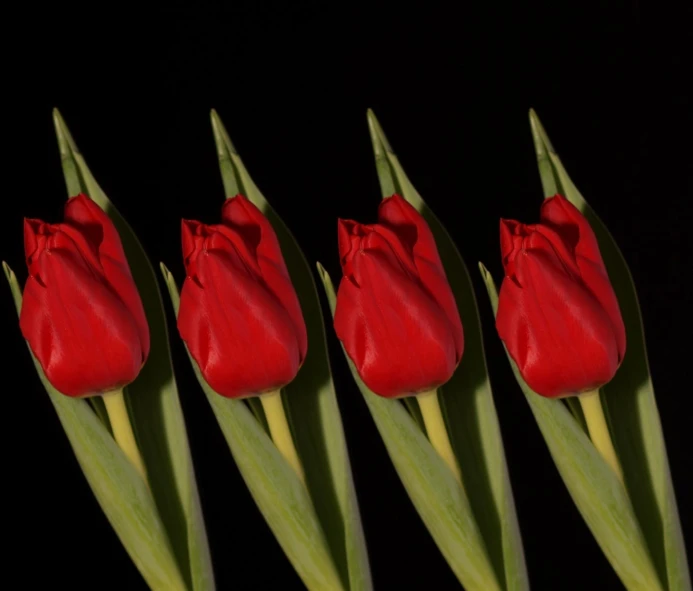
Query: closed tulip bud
[(239, 314), (395, 313), (557, 312), (81, 314)]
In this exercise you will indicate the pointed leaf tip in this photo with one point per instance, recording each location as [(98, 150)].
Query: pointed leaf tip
[(164, 270), (7, 270), (58, 120), (59, 125), (216, 122), (380, 142), (65, 142), (542, 142), (484, 271), (221, 136)]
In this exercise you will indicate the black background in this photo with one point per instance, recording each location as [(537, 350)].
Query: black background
[(452, 90)]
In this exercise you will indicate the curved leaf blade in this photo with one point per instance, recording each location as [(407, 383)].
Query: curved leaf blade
[(117, 486), (310, 399), (467, 397), (278, 492), (152, 398), (629, 397), (430, 484), (595, 489)]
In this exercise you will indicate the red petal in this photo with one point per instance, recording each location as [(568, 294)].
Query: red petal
[(258, 235), (555, 330), (31, 227), (188, 231), (562, 215), (242, 338), (410, 226), (508, 232), (83, 335), (95, 225), (393, 330), (255, 229), (346, 229), (567, 220)]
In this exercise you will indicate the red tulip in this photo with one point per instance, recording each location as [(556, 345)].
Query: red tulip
[(82, 315), (557, 312), (396, 314), (239, 314)]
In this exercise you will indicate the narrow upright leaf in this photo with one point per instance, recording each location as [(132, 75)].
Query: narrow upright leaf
[(278, 492), (117, 486), (629, 397), (433, 489), (153, 397), (310, 398), (595, 489), (467, 398)]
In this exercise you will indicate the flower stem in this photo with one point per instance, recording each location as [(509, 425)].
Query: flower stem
[(599, 430), (280, 431), (122, 429), (437, 433)]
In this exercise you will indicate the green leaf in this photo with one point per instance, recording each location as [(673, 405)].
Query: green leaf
[(433, 489), (152, 398), (310, 399), (118, 487), (595, 489), (278, 492), (467, 398), (629, 397), (414, 411)]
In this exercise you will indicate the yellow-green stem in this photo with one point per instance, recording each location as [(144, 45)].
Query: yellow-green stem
[(437, 433), (280, 431), (599, 430), (122, 429)]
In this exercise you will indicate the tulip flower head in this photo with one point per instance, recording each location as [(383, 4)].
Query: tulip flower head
[(557, 312), (239, 314), (395, 313), (81, 313)]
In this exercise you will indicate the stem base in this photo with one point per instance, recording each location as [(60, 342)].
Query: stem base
[(599, 430), (280, 431), (437, 433)]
